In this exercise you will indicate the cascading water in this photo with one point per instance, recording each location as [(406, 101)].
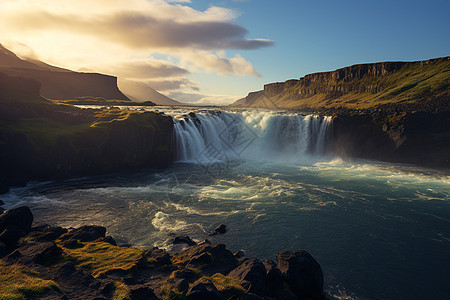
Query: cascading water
[(217, 136)]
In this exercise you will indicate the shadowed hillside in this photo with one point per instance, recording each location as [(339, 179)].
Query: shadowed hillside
[(58, 83)]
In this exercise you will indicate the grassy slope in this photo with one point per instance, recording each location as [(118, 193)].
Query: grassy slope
[(412, 83), (19, 282), (103, 102)]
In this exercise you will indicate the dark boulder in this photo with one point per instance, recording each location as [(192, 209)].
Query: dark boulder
[(302, 273), (160, 256), (20, 217), (108, 239), (183, 240), (4, 250), (14, 224), (252, 275), (141, 292), (187, 274), (42, 253), (1, 202), (85, 234), (179, 284), (221, 229), (45, 233), (202, 291), (210, 259), (273, 277)]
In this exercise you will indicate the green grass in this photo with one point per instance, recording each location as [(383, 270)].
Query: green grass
[(101, 258), (122, 291), (103, 102), (169, 293), (18, 282), (224, 284)]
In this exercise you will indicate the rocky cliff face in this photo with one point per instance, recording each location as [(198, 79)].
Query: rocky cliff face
[(41, 140), (60, 84), (358, 86)]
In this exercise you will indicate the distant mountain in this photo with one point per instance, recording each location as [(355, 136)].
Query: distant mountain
[(60, 84), (139, 92), (420, 84)]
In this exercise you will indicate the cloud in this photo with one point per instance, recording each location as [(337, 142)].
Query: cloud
[(143, 69), (138, 29), (155, 41), (173, 84), (201, 99)]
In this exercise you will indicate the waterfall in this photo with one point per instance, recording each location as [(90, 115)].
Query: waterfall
[(217, 136)]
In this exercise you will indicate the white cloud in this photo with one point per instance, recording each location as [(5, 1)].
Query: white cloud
[(119, 37)]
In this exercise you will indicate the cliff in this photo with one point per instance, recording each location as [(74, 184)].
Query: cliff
[(60, 84), (43, 140), (362, 86)]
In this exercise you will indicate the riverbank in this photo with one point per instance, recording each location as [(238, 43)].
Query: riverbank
[(46, 262)]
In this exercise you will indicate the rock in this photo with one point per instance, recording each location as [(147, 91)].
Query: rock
[(187, 274), (179, 284), (85, 234), (273, 277), (45, 233), (11, 235), (211, 259), (42, 253), (159, 255), (252, 275), (108, 239), (302, 273), (202, 291), (141, 292), (1, 202), (239, 254), (221, 229), (4, 250), (251, 296), (19, 217), (184, 240), (1, 210)]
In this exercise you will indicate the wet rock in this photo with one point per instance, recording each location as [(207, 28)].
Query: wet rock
[(210, 259), (179, 284), (188, 274), (202, 291), (302, 273), (239, 254), (19, 216), (183, 240), (108, 239), (160, 256), (273, 277), (14, 224), (85, 234), (45, 233), (4, 250), (42, 253), (221, 229), (11, 235), (141, 292), (252, 275)]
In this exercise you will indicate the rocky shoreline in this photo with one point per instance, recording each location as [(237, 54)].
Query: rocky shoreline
[(47, 262)]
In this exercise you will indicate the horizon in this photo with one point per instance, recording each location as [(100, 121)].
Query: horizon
[(221, 53)]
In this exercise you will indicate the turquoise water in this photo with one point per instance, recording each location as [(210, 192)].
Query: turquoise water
[(379, 231)]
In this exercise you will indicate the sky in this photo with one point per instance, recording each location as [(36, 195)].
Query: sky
[(215, 52)]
